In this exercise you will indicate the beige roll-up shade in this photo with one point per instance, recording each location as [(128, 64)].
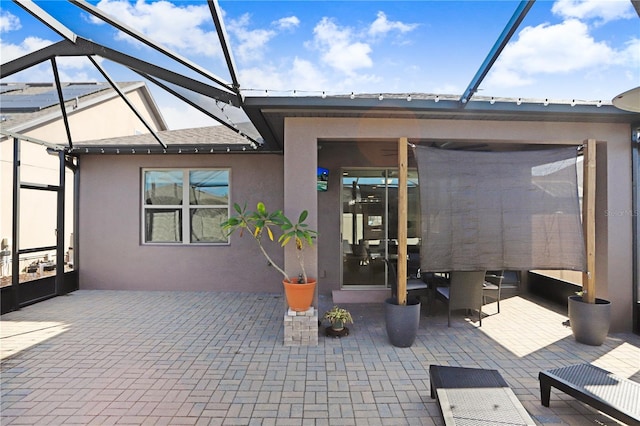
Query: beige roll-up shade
[(500, 210)]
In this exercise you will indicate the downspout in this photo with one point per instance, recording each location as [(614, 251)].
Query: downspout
[(15, 260), (74, 224), (76, 215), (60, 227), (635, 170)]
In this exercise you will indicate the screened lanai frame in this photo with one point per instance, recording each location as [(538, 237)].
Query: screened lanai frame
[(195, 93), (267, 134), (64, 162), (198, 94)]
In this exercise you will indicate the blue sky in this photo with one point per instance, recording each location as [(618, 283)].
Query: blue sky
[(564, 49)]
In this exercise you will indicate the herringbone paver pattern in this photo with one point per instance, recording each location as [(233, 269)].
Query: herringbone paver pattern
[(183, 358)]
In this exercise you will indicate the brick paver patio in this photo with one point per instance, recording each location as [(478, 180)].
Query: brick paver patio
[(182, 358)]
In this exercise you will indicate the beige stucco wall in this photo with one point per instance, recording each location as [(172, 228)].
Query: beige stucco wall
[(113, 257), (614, 231), (111, 253)]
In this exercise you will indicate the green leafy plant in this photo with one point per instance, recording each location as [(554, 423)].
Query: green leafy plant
[(261, 222), (338, 316)]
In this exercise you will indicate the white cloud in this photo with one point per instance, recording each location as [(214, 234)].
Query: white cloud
[(11, 51), (630, 55), (183, 116), (265, 77), (305, 75), (552, 49), (381, 26), (77, 63), (9, 22), (287, 23), (177, 27), (601, 10), (346, 50), (339, 49), (301, 75), (252, 43)]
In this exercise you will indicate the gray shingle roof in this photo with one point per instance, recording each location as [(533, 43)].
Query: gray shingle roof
[(212, 135)]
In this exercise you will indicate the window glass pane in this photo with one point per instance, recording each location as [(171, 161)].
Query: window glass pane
[(163, 187), (205, 225), (163, 225), (209, 187)]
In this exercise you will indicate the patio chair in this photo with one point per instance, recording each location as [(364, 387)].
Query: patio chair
[(361, 253), (464, 292), (355, 255), (492, 286), (415, 286)]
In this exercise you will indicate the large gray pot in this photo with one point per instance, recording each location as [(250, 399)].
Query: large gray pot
[(589, 321), (402, 321)]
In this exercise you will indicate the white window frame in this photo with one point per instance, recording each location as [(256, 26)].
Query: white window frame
[(185, 207)]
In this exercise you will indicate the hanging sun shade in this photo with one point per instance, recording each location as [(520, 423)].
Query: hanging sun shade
[(500, 210)]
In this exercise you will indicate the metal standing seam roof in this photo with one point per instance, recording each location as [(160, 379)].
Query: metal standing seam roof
[(268, 113)]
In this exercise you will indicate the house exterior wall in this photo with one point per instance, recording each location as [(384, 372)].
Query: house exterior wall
[(38, 208), (110, 249), (613, 227), (112, 256)]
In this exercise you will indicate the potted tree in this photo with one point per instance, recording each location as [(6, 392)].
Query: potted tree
[(338, 317), (402, 314), (300, 290), (589, 316)]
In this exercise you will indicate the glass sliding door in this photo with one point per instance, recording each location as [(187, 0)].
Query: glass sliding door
[(369, 226)]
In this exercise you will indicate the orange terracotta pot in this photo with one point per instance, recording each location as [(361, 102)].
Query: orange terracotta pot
[(300, 296)]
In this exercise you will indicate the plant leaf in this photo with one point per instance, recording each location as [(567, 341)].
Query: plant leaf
[(285, 240)]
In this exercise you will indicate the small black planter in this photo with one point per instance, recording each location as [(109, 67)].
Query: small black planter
[(402, 321), (330, 332), (589, 321)]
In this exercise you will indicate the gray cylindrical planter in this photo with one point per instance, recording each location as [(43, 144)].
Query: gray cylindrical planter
[(589, 321), (402, 321)]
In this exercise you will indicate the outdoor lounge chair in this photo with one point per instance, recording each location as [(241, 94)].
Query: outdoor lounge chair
[(616, 396), (475, 396), (464, 292)]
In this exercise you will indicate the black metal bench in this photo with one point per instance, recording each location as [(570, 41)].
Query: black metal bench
[(616, 396), (475, 396)]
